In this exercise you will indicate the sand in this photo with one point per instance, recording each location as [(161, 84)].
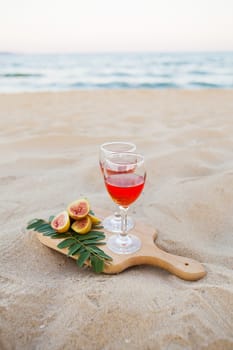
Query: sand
[(49, 157)]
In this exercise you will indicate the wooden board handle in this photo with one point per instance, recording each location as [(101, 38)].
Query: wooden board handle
[(185, 268)]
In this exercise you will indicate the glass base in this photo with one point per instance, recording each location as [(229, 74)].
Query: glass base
[(112, 223), (124, 245)]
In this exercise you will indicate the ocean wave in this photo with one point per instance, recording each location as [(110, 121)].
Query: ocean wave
[(122, 74), (112, 73), (20, 75), (201, 84), (161, 85), (123, 85), (199, 72)]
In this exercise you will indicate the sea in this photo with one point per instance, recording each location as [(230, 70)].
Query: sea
[(145, 70)]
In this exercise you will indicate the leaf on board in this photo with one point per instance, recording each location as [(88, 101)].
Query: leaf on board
[(66, 243), (97, 264), (82, 258)]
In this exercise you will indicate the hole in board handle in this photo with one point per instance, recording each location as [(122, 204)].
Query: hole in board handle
[(186, 264)]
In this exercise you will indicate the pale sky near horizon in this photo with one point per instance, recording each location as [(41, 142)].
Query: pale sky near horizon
[(116, 25)]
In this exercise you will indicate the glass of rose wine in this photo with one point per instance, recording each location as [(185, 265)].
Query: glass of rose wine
[(124, 177), (112, 223)]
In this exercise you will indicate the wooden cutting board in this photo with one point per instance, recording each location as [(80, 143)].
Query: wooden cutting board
[(149, 254)]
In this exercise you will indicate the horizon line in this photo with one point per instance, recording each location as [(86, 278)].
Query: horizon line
[(7, 52)]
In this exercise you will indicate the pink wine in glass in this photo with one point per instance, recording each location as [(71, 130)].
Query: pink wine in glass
[(124, 189), (124, 176)]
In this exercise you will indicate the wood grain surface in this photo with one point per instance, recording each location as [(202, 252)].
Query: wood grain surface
[(149, 254)]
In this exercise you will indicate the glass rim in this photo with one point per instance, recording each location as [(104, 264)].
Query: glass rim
[(139, 158), (102, 146)]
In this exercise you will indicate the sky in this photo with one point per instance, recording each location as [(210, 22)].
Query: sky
[(116, 25)]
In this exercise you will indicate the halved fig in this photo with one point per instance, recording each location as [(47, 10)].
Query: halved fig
[(78, 209), (82, 226), (61, 222)]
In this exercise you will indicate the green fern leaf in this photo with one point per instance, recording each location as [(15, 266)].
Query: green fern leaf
[(66, 243), (83, 257)]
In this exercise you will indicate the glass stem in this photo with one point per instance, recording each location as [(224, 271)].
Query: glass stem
[(124, 212)]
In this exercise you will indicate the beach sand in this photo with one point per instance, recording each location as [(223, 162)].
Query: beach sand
[(49, 157)]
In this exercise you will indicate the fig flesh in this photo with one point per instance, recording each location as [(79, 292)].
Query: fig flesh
[(61, 222), (82, 226), (78, 209)]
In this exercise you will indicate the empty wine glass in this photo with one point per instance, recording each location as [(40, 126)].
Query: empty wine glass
[(124, 177), (112, 223)]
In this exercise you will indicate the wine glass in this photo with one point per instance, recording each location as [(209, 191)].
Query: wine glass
[(124, 177), (112, 223)]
